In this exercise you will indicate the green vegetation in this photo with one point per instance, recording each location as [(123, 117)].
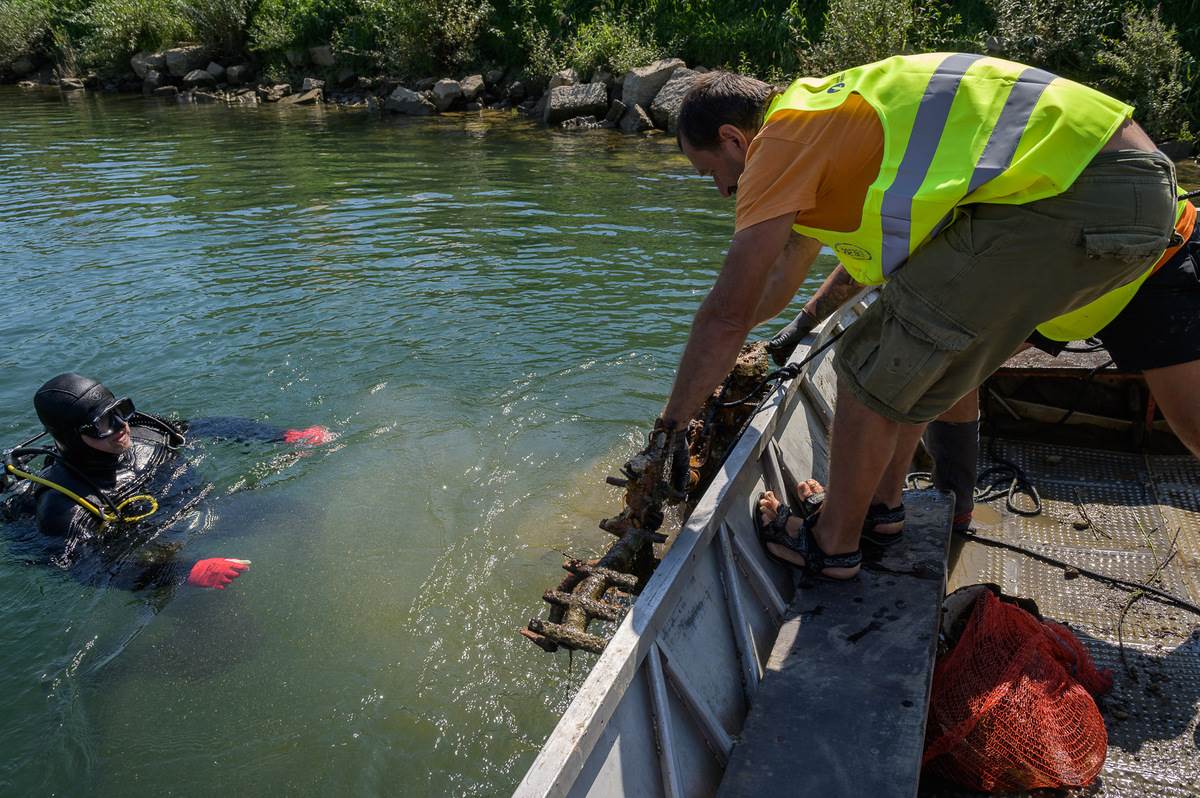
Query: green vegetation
[(1134, 49)]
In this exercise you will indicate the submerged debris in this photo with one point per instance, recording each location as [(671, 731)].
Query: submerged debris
[(599, 589)]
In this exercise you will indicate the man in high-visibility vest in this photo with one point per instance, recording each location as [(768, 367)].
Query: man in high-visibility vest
[(993, 198)]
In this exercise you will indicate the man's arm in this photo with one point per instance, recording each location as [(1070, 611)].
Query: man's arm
[(754, 272), (788, 274), (837, 289)]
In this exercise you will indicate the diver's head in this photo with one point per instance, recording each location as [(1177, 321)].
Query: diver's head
[(82, 414)]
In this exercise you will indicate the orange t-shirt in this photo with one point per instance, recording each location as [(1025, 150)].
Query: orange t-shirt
[(816, 165)]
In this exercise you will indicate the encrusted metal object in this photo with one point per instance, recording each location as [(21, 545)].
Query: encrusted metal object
[(601, 590)]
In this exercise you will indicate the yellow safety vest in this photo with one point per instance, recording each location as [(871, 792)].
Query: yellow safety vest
[(961, 128)]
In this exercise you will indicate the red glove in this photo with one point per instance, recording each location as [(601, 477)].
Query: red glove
[(313, 435), (216, 572)]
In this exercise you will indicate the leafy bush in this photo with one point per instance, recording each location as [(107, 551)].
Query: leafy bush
[(1063, 36), (859, 32), (223, 25), (869, 30), (1149, 70), (24, 28), (420, 37), (282, 24), (113, 30), (542, 58), (763, 37), (608, 42)]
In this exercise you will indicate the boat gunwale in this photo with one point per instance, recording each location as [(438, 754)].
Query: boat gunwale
[(566, 751)]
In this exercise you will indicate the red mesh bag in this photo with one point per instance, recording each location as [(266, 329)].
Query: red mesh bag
[(1010, 708)]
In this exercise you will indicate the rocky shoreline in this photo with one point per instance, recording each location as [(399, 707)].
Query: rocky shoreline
[(645, 98)]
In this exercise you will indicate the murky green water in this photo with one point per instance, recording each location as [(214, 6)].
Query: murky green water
[(488, 315)]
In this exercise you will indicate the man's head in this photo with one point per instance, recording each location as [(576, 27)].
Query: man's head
[(80, 412), (720, 115)]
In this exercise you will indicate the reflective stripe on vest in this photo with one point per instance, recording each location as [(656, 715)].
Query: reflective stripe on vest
[(896, 212)]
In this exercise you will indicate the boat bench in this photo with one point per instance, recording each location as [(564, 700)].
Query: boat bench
[(842, 704)]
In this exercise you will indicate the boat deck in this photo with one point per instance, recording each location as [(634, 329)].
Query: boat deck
[(878, 633), (1136, 506)]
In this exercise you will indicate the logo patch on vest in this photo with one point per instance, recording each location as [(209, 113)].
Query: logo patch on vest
[(835, 88), (852, 251)]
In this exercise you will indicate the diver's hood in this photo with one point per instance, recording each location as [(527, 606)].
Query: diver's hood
[(66, 403)]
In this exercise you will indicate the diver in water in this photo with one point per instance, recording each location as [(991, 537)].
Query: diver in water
[(103, 481)]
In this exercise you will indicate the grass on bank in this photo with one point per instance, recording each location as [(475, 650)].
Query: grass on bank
[(1140, 51)]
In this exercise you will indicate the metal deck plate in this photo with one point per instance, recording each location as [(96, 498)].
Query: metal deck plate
[(1136, 503)]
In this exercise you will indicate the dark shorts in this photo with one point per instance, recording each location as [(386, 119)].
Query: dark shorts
[(1160, 327)]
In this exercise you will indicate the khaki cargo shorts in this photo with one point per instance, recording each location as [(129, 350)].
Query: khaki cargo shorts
[(965, 300)]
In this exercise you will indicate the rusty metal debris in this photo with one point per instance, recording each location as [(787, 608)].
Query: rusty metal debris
[(603, 589)]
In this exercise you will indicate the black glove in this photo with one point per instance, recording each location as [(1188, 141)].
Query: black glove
[(784, 343), (668, 447)]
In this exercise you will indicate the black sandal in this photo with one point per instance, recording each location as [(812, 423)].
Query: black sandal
[(804, 544), (882, 514)]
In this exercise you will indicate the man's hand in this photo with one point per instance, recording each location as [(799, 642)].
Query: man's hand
[(216, 572), (666, 450), (314, 436), (785, 341)]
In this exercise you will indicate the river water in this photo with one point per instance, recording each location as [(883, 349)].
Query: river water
[(486, 313)]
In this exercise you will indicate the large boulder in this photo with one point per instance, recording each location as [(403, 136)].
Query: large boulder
[(273, 94), (471, 86), (603, 76), (143, 62), (153, 80), (642, 84), (564, 77), (615, 112), (665, 108), (445, 93), (636, 120), (308, 97), (493, 77), (238, 74), (424, 84), (567, 102), (312, 83), (1176, 150), (407, 101), (216, 70), (22, 66), (321, 56), (182, 60), (198, 77), (516, 92)]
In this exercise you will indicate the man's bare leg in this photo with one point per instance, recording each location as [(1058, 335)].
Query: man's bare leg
[(1175, 388), (891, 486), (862, 448)]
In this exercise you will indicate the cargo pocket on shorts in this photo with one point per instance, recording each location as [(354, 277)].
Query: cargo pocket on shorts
[(1129, 245), (918, 346)]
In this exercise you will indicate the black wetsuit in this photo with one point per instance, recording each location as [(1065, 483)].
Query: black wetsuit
[(142, 554)]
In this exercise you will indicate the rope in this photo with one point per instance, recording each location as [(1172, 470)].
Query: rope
[(1162, 595)]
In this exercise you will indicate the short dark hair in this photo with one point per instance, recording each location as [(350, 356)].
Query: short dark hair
[(721, 98)]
